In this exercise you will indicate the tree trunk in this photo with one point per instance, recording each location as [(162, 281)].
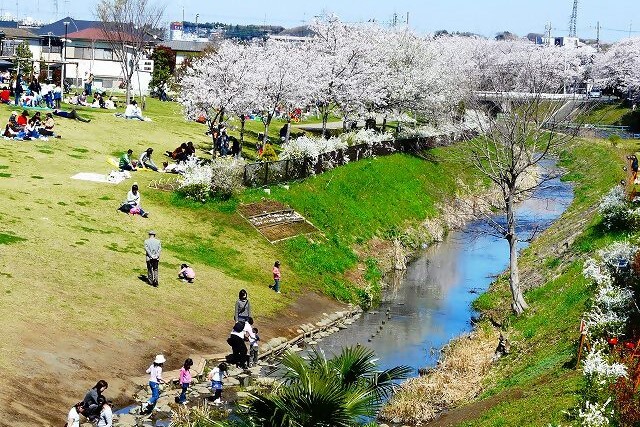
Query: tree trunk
[(288, 135), (518, 303), (384, 124), (266, 130), (325, 119), (242, 120)]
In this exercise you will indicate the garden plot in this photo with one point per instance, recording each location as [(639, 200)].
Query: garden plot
[(275, 221)]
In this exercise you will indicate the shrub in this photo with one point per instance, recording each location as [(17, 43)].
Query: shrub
[(269, 153), (594, 414), (195, 183), (226, 176), (305, 146), (221, 178), (614, 209), (600, 371), (614, 139)]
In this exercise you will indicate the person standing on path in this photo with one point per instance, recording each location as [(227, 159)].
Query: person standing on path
[(185, 380), (152, 249), (276, 277), (243, 307), (215, 376), (155, 379)]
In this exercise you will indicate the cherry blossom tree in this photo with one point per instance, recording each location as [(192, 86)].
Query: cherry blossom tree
[(347, 71), (217, 84), (278, 79), (619, 67)]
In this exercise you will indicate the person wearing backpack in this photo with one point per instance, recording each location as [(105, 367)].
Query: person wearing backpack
[(243, 307)]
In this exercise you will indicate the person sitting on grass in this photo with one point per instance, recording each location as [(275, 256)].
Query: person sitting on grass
[(73, 114), (31, 129), (133, 111), (132, 204), (125, 163), (145, 160), (49, 124), (23, 118), (186, 273), (180, 153)]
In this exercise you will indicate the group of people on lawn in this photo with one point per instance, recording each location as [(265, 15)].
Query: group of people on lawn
[(22, 127)]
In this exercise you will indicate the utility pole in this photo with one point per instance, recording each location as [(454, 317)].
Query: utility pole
[(630, 23), (407, 19), (395, 19), (547, 32), (598, 36)]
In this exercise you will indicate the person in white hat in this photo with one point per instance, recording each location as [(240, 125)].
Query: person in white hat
[(155, 379)]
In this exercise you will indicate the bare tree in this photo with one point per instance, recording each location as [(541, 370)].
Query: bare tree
[(521, 124), (129, 26)]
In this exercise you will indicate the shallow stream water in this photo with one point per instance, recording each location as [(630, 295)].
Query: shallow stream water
[(431, 302)]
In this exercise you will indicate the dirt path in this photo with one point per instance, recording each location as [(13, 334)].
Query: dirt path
[(59, 366), (471, 411)]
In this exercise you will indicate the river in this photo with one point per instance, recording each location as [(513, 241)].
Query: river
[(431, 303)]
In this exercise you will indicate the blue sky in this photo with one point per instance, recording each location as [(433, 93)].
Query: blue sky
[(485, 17)]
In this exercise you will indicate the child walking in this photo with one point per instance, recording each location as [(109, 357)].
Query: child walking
[(276, 277), (215, 376), (253, 347), (155, 379), (185, 380)]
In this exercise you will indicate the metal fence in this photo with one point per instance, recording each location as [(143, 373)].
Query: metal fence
[(268, 173), (595, 131)]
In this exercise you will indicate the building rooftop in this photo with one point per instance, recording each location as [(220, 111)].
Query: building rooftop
[(185, 45), (18, 33), (75, 25)]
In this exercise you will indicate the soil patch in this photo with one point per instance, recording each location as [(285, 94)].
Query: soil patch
[(276, 221), (58, 366)]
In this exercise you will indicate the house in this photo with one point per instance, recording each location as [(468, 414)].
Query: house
[(87, 49), (185, 49)]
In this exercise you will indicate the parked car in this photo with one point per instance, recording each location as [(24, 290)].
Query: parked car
[(595, 93)]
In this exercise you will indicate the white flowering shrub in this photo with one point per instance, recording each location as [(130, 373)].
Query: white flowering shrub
[(367, 136), (601, 322), (595, 414), (610, 297), (618, 256), (222, 177), (598, 369), (306, 146), (595, 271), (195, 182), (615, 209), (226, 176)]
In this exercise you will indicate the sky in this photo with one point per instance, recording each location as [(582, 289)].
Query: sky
[(485, 17)]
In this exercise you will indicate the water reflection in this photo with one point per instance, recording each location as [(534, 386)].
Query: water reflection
[(430, 303)]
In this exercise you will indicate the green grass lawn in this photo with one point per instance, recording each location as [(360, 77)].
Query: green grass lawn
[(541, 370), (616, 114), (71, 261)]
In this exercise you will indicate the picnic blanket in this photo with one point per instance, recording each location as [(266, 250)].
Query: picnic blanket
[(114, 177)]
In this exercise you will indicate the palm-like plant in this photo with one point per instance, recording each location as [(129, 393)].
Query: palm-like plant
[(343, 391)]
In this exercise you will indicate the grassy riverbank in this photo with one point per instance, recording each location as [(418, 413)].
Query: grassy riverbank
[(540, 371)]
